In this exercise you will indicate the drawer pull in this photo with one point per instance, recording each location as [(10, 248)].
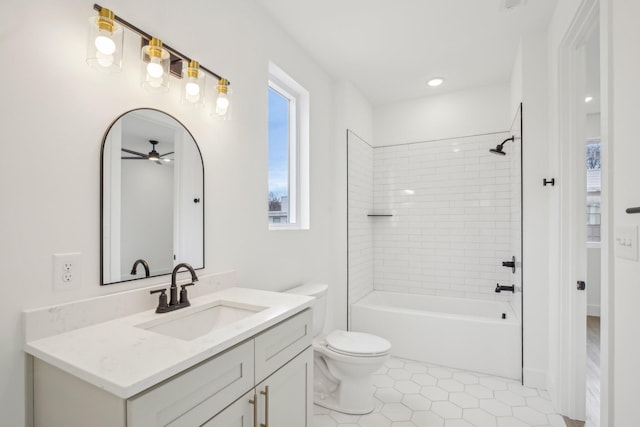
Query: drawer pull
[(254, 402), (266, 407)]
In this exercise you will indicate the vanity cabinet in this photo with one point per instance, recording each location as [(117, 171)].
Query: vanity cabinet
[(265, 379), (284, 399)]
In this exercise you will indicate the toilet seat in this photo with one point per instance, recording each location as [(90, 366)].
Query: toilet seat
[(358, 344)]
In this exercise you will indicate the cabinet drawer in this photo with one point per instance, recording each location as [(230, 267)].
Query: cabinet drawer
[(281, 343), (190, 398)]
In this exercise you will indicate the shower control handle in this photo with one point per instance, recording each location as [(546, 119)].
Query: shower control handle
[(581, 285), (511, 264), (500, 288)]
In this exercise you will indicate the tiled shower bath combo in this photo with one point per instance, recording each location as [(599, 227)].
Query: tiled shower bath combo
[(433, 229)]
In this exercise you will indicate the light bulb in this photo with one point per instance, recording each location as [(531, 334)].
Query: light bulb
[(222, 104), (104, 44), (192, 89), (154, 69), (104, 60)]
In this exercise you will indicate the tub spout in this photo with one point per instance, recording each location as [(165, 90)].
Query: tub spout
[(500, 288)]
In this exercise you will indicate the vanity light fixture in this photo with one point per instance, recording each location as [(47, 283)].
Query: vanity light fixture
[(192, 83), (159, 61), (223, 107), (155, 66), (104, 45)]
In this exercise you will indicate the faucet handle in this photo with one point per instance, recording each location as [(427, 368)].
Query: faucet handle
[(162, 300), (184, 299)]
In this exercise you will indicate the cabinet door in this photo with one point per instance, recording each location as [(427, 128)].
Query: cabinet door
[(239, 414), (193, 397), (285, 398)]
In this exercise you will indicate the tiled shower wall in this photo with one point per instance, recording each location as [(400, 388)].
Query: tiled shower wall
[(515, 159), (451, 228), (451, 224), (360, 179)]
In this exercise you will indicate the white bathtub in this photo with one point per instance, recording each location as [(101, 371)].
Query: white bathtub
[(456, 332)]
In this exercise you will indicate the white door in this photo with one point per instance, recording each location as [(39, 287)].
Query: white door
[(572, 304)]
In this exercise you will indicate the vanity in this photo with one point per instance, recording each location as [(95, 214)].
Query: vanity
[(235, 357), (225, 356)]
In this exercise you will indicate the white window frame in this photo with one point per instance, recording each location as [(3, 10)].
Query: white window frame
[(298, 98)]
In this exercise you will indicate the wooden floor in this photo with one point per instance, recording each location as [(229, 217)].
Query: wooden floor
[(593, 371), (593, 376)]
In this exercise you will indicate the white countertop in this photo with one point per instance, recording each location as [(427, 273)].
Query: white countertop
[(124, 359)]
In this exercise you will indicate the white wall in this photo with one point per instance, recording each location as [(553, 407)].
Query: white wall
[(147, 216), (55, 110), (623, 136), (593, 280), (530, 83), (471, 112)]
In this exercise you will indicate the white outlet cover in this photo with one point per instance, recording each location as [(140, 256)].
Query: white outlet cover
[(626, 242), (59, 273)]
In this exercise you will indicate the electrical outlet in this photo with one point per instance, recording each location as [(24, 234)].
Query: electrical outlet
[(626, 243), (67, 271)]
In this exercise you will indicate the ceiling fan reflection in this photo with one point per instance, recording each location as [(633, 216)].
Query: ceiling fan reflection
[(153, 155)]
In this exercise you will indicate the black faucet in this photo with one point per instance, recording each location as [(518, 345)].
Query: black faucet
[(174, 304), (500, 288), (145, 264)]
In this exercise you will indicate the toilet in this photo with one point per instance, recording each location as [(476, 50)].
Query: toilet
[(344, 361)]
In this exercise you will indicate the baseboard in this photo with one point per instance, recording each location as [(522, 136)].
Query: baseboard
[(534, 378), (593, 310)]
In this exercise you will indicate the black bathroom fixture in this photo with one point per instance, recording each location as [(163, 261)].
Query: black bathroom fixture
[(500, 288), (551, 182), (500, 147), (511, 264), (174, 304), (145, 264), (153, 155)]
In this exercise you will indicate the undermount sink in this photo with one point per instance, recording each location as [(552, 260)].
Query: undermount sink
[(195, 322)]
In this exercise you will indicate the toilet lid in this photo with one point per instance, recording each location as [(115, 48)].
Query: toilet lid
[(357, 343)]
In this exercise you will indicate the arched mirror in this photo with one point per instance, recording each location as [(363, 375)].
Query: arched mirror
[(152, 197)]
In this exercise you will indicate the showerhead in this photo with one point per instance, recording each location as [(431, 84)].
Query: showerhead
[(499, 148)]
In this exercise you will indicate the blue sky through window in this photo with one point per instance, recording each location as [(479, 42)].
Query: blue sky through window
[(278, 144)]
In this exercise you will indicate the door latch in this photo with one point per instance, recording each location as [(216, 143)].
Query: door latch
[(581, 285)]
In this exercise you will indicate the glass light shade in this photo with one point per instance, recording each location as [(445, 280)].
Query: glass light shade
[(222, 107), (192, 83), (104, 43), (155, 66)]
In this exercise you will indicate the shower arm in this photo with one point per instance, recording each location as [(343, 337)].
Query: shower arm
[(512, 139)]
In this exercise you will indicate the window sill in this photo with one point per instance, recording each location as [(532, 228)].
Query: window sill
[(287, 227)]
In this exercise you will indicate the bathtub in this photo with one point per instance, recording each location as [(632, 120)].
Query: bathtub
[(455, 332)]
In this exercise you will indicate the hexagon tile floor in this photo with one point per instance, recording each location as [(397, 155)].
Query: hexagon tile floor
[(414, 394)]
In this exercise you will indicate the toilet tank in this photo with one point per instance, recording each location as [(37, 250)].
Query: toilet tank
[(319, 291)]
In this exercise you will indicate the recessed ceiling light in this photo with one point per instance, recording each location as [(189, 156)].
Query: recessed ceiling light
[(435, 82), (588, 99)]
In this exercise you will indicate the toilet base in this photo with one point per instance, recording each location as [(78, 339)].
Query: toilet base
[(330, 401)]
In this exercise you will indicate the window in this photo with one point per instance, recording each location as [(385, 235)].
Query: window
[(288, 137), (593, 190)]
